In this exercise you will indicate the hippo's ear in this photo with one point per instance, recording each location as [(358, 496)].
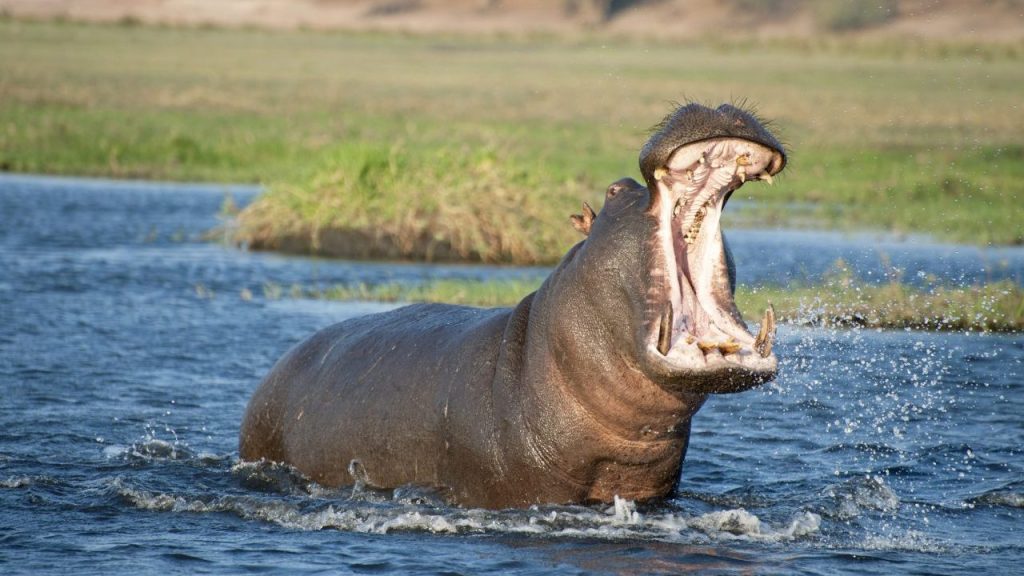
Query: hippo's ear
[(582, 222)]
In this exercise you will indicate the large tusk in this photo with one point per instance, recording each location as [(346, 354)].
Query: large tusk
[(665, 332), (766, 334)]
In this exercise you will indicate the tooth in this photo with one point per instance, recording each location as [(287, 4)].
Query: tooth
[(689, 175), (706, 347), (729, 347), (742, 173), (766, 334), (743, 160), (660, 173), (691, 235), (768, 178), (665, 332)]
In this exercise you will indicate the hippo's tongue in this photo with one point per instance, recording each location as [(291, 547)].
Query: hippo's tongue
[(695, 186)]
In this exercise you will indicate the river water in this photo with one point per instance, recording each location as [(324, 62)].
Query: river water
[(129, 347)]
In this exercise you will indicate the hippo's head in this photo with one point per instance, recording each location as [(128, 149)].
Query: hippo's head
[(661, 249)]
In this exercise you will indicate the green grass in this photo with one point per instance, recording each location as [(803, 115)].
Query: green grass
[(408, 202), (478, 148), (995, 307)]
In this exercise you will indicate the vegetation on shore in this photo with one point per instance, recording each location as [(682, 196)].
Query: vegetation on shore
[(478, 148), (402, 202), (841, 301)]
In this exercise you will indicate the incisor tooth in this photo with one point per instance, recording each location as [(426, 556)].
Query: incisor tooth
[(729, 347), (706, 347), (766, 334)]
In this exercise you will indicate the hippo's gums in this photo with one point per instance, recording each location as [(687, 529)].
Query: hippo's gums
[(584, 390)]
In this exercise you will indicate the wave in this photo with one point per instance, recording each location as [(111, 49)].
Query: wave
[(275, 477), (370, 513), (1005, 497), (16, 482)]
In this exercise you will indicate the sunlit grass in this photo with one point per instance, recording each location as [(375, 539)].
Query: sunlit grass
[(415, 202), (997, 307)]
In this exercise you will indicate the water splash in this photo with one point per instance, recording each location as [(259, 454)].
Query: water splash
[(909, 541), (373, 513), (850, 498)]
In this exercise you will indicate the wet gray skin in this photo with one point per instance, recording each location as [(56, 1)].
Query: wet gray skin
[(583, 391)]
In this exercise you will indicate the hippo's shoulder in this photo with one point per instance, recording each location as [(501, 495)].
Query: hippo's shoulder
[(421, 316), (415, 321)]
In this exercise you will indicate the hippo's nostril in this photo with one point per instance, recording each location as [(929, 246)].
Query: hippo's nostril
[(613, 190)]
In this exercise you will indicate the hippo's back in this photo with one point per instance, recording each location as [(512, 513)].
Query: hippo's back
[(376, 390)]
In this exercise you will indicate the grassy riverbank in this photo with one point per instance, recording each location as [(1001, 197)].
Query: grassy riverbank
[(478, 148), (996, 307)]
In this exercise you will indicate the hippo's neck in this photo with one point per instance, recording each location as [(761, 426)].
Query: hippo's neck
[(579, 403)]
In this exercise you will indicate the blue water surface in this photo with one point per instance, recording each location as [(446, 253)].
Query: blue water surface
[(129, 347)]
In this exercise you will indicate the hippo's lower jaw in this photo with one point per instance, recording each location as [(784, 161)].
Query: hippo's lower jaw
[(694, 334)]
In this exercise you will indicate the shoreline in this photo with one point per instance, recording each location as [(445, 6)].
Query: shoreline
[(996, 307), (836, 300)]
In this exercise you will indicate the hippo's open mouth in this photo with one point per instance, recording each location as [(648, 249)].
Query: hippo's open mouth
[(694, 326)]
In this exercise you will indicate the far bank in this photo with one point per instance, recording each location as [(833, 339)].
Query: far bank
[(478, 148)]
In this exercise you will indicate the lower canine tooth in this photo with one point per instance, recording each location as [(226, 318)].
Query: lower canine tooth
[(766, 334), (665, 332), (767, 178)]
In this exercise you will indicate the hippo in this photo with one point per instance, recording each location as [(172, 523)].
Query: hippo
[(581, 393)]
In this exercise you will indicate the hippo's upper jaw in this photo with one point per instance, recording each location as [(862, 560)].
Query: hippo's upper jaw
[(693, 334)]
